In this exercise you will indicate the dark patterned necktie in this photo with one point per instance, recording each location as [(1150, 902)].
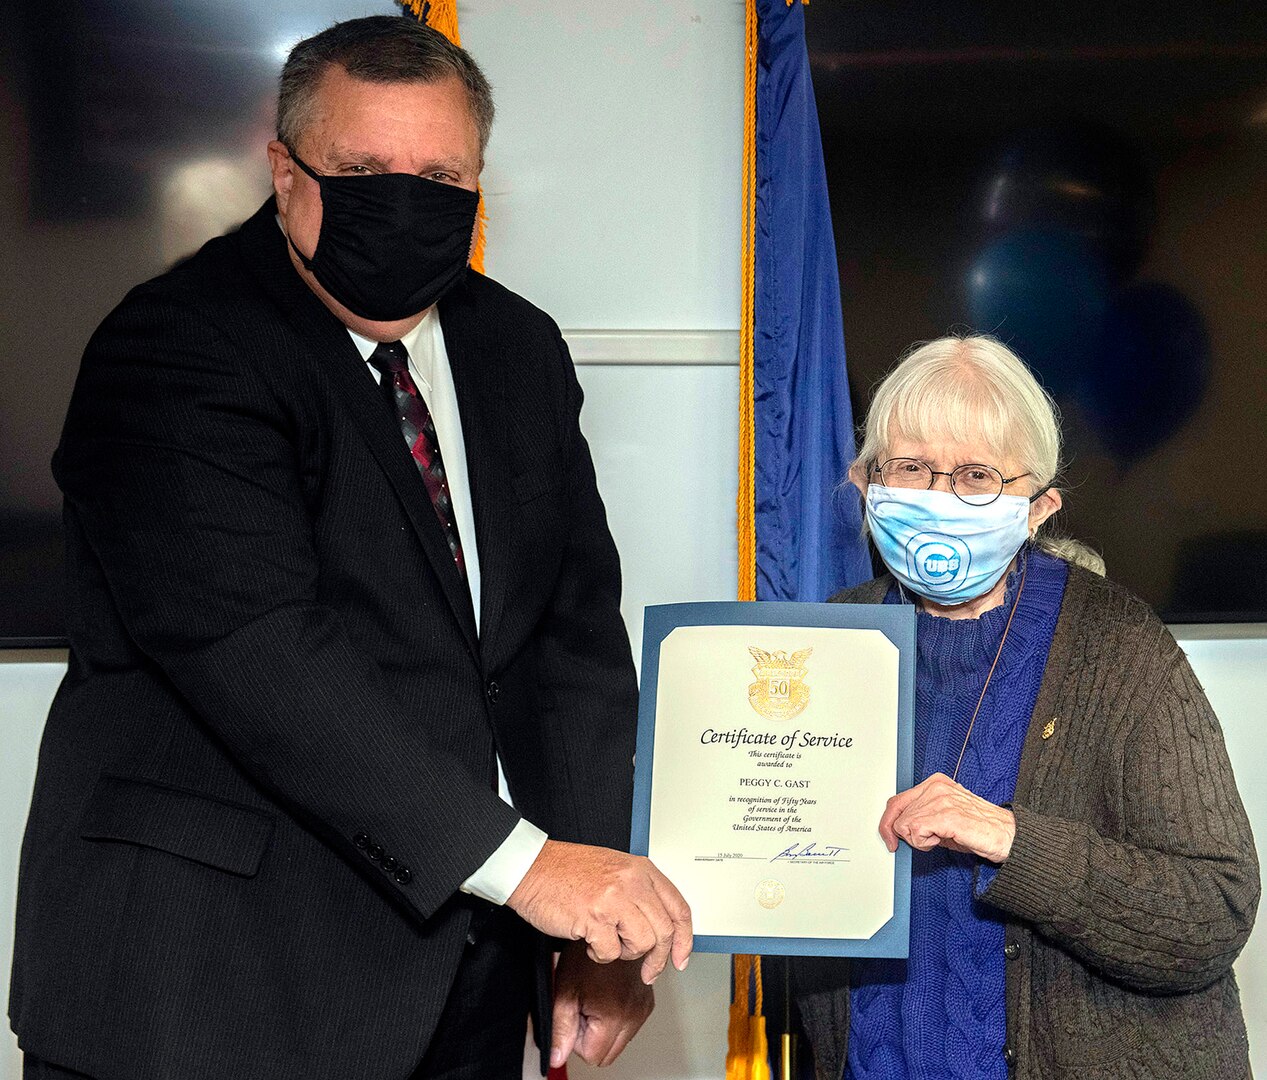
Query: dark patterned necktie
[(392, 360)]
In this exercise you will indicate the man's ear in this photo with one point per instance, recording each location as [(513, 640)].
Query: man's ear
[(283, 169)]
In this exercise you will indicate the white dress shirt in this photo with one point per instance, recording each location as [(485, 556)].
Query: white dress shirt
[(429, 367)]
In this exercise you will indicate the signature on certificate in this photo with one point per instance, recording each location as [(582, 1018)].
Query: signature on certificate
[(810, 850)]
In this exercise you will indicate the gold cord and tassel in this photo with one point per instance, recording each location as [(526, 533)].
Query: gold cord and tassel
[(746, 509), (442, 15), (747, 1053)]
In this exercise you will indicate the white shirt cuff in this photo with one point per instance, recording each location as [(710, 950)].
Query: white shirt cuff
[(505, 868)]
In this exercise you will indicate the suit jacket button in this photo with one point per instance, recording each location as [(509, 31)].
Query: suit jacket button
[(403, 876), (375, 852), (389, 864), (493, 691), (361, 840), (1011, 950)]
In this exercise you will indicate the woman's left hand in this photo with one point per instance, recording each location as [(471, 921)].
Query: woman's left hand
[(939, 812)]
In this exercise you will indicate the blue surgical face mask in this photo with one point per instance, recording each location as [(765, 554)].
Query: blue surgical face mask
[(942, 548)]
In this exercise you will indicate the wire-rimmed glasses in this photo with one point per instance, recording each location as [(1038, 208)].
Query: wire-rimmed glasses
[(975, 483)]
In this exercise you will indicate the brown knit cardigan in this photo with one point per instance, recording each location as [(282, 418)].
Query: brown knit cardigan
[(1132, 882)]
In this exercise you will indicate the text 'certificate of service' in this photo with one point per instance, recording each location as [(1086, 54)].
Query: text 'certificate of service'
[(770, 737)]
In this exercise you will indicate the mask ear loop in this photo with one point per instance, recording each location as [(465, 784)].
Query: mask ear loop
[(309, 264), (901, 589)]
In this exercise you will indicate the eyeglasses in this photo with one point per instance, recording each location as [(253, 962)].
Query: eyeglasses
[(977, 485)]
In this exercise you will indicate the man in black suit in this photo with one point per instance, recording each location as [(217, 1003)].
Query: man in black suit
[(266, 840)]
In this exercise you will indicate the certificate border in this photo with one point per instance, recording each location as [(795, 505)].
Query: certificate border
[(897, 623)]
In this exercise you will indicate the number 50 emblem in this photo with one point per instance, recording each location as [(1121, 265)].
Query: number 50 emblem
[(780, 691)]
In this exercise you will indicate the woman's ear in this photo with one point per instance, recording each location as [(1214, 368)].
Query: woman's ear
[(1042, 508), (858, 476)]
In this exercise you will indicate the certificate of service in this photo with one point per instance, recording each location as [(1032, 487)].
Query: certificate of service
[(770, 737)]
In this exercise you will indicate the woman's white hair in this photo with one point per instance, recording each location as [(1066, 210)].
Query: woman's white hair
[(973, 388)]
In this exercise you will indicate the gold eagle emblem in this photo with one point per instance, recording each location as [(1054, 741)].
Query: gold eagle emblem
[(770, 893), (780, 692)]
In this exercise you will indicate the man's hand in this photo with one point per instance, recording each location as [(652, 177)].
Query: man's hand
[(620, 905), (598, 1008), (940, 812)]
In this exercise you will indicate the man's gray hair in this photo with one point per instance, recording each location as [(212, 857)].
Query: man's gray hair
[(380, 49)]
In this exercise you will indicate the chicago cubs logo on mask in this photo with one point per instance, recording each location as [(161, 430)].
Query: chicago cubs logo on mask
[(941, 547), (937, 560)]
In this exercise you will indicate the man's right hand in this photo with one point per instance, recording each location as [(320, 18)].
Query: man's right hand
[(620, 905)]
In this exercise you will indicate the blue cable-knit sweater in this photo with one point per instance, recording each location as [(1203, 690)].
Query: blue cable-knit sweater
[(940, 1014)]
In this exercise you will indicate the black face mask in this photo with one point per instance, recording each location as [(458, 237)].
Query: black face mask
[(392, 244)]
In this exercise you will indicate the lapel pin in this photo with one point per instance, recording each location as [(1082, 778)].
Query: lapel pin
[(1050, 729)]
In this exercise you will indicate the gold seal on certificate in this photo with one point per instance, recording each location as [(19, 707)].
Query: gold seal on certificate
[(780, 691), (770, 738), (770, 893)]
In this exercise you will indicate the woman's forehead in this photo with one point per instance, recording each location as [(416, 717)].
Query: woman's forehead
[(946, 448)]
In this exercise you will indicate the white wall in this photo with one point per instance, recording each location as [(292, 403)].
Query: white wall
[(27, 683), (613, 196), (613, 177)]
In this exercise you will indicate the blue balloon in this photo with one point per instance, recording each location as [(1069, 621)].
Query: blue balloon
[(1153, 370), (1084, 177), (1043, 292)]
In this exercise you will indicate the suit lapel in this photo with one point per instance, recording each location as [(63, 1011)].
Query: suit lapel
[(476, 362), (337, 358)]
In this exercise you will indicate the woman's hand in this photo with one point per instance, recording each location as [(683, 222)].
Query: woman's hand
[(941, 812)]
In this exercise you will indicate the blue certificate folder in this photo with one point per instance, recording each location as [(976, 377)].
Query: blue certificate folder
[(897, 624)]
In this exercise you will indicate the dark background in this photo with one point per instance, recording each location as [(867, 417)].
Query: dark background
[(132, 130), (1089, 183)]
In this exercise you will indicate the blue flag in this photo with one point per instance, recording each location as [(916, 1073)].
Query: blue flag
[(808, 527)]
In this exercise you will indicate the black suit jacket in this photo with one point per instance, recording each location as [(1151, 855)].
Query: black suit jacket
[(272, 761)]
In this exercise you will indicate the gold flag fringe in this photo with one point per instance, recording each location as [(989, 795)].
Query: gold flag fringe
[(747, 1053), (747, 1056), (747, 284), (442, 15)]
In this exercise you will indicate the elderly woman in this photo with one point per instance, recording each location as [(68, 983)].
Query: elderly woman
[(1083, 873)]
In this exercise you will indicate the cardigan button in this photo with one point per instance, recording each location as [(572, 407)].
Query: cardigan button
[(1009, 1055), (1011, 950)]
